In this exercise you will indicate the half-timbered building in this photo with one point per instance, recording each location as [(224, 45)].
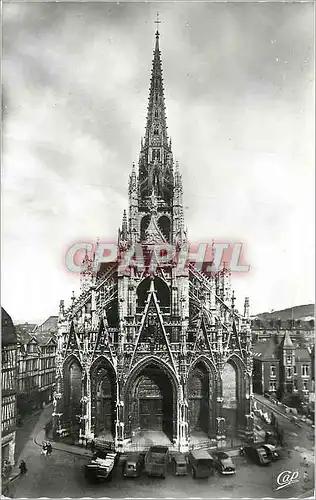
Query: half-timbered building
[(8, 387)]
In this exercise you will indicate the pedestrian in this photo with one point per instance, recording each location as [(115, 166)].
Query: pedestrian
[(92, 445), (44, 448), (22, 467), (49, 448), (305, 462), (281, 438)]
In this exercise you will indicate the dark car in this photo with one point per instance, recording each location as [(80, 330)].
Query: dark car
[(257, 454), (201, 464), (272, 452), (156, 461), (180, 464), (133, 465), (223, 463)]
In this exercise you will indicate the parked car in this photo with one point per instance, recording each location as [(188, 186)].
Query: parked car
[(180, 464), (272, 452), (133, 465), (101, 465), (223, 463), (258, 454), (201, 464), (156, 461)]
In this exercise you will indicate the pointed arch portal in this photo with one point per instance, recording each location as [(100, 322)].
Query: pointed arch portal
[(103, 396), (151, 401), (199, 389), (73, 386), (234, 395), (230, 398)]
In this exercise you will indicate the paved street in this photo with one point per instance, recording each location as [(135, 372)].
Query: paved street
[(296, 437), (61, 475)]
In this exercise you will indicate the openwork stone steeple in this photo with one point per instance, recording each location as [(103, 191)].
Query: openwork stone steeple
[(144, 346), (156, 160), (156, 128)]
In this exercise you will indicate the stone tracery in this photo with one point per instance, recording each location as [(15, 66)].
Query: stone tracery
[(153, 355)]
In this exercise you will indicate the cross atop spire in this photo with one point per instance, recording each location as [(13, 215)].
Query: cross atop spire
[(157, 22)]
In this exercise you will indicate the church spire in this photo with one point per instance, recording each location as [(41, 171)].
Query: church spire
[(156, 128), (155, 160)]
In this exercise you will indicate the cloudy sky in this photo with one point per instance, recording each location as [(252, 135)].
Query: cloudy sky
[(240, 110)]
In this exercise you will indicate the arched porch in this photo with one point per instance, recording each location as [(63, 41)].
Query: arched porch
[(103, 399), (235, 393), (151, 395), (201, 399)]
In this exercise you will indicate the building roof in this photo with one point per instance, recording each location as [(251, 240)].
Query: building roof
[(266, 350), (8, 331), (286, 341), (46, 331), (49, 325), (24, 336), (302, 354), (27, 327), (44, 338)]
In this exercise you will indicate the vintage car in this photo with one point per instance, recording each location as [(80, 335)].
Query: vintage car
[(101, 466), (156, 461), (179, 464), (272, 452), (133, 465), (257, 454), (201, 464), (223, 463)]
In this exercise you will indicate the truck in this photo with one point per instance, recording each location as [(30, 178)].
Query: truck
[(156, 461), (101, 465), (201, 464)]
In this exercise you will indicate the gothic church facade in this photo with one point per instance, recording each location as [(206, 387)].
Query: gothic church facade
[(143, 350)]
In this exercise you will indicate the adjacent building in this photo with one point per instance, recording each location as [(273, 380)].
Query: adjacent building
[(36, 366), (280, 367), (142, 350), (8, 385), (302, 331)]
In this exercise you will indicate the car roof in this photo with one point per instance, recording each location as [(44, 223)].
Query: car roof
[(179, 457), (133, 456), (271, 447), (200, 454), (220, 453), (159, 449)]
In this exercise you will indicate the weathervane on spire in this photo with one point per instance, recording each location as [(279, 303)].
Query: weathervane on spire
[(157, 21)]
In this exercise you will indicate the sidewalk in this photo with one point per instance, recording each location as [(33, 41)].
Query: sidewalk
[(77, 450), (280, 408), (68, 448)]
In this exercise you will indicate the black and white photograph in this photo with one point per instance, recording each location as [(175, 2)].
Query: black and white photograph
[(158, 249)]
